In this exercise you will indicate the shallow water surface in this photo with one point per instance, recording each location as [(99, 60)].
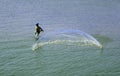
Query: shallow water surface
[(99, 19)]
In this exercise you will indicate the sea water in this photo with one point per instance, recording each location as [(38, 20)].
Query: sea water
[(60, 52)]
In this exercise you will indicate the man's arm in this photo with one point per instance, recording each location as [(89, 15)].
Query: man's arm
[(41, 29)]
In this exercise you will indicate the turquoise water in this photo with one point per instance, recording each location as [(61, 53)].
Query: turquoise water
[(98, 19)]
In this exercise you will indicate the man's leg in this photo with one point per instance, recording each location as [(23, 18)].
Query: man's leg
[(36, 34)]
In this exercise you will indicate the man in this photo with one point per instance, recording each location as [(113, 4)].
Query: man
[(38, 29)]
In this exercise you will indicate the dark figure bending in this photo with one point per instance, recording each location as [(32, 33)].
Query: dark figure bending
[(38, 29)]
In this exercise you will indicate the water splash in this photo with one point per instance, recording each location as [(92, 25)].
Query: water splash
[(67, 37)]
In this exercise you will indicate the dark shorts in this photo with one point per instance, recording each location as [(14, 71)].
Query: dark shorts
[(38, 31)]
